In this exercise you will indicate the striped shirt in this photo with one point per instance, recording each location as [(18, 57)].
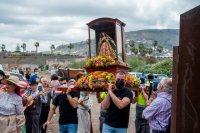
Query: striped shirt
[(159, 111)]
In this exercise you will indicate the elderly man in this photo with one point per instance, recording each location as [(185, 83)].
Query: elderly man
[(45, 100), (32, 114), (159, 111), (117, 105)]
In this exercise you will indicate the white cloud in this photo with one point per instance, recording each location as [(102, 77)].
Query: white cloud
[(61, 21)]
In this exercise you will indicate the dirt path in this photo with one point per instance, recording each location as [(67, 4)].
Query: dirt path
[(53, 127)]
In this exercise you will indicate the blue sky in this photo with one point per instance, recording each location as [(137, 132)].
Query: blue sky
[(64, 21)]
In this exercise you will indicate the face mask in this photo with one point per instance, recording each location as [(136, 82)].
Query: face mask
[(119, 84), (36, 72)]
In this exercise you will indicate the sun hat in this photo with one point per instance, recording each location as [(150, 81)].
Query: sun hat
[(14, 80)]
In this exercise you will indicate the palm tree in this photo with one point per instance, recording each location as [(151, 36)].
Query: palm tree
[(142, 49), (70, 46), (155, 44), (52, 47), (23, 46), (135, 50), (149, 51), (18, 48), (132, 46), (3, 47), (37, 45), (160, 49)]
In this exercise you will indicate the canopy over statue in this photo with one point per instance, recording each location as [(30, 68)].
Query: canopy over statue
[(108, 31), (106, 46)]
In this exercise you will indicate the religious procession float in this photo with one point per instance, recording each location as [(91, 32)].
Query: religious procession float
[(106, 56)]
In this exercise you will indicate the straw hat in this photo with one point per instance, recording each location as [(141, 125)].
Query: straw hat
[(14, 80)]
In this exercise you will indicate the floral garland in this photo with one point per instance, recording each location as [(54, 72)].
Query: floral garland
[(98, 79), (132, 81), (100, 61)]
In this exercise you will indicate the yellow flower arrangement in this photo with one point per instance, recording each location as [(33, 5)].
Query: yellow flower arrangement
[(100, 61), (97, 79), (132, 81)]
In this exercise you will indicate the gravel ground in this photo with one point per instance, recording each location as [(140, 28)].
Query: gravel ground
[(53, 127)]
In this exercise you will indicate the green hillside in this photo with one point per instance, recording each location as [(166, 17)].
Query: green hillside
[(165, 37)]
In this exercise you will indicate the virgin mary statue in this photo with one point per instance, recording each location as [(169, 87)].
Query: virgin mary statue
[(106, 45)]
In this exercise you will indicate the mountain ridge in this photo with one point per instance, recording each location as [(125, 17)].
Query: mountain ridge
[(165, 37)]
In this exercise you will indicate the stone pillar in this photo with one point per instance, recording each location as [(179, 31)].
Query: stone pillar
[(186, 76)]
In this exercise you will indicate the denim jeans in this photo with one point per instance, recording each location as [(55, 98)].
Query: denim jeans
[(68, 128), (109, 129)]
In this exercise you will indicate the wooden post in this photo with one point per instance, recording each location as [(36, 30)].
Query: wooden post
[(186, 74)]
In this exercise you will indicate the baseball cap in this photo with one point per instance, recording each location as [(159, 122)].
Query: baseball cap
[(33, 83)]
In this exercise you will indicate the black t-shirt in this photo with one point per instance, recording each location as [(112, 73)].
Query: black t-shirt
[(115, 117), (68, 114)]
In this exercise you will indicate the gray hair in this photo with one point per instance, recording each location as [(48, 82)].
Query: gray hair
[(166, 83), (43, 79)]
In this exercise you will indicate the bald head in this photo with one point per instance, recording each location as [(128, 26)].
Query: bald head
[(44, 81)]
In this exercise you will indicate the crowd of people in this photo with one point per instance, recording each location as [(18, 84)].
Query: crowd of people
[(37, 105)]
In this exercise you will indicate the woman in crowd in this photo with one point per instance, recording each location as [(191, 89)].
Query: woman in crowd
[(11, 108)]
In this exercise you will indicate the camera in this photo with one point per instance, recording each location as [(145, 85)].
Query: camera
[(150, 77)]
